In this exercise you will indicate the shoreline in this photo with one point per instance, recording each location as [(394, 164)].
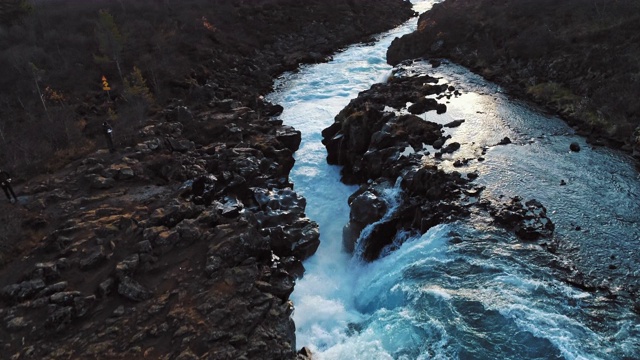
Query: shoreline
[(552, 70)]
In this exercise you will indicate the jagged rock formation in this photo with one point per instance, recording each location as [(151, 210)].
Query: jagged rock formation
[(382, 143)]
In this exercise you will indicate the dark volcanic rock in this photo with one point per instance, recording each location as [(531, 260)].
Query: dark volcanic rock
[(372, 146), (574, 146), (528, 220), (187, 243), (366, 139)]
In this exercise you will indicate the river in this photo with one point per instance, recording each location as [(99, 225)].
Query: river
[(489, 296)]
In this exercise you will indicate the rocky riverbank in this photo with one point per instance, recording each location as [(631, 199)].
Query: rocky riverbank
[(187, 244), (577, 58)]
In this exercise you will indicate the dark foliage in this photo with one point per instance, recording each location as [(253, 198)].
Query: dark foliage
[(53, 56)]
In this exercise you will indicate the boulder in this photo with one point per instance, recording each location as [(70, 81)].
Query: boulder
[(454, 123), (423, 105), (289, 137), (180, 145), (574, 146), (504, 141), (21, 291), (132, 290), (367, 208), (529, 220)]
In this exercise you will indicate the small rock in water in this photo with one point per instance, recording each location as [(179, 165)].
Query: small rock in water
[(575, 147), (454, 123), (505, 141)]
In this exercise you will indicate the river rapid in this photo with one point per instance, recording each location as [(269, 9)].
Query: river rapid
[(486, 295)]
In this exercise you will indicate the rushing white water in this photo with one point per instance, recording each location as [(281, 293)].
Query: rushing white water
[(485, 295)]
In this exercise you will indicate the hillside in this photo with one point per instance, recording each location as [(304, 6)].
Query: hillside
[(578, 58)]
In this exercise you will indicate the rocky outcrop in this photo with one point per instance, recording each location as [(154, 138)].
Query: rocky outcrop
[(403, 189), (529, 221), (572, 57), (365, 138)]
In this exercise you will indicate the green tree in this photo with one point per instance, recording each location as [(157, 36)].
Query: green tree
[(110, 41), (135, 86)]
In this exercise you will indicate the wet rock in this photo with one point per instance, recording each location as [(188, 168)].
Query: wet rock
[(304, 354), (180, 145), (449, 149), (300, 239), (367, 208), (574, 146), (282, 285), (528, 220), (381, 236), (454, 123), (504, 141), (293, 266), (423, 105), (289, 137)]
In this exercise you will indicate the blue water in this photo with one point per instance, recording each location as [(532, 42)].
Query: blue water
[(486, 295)]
